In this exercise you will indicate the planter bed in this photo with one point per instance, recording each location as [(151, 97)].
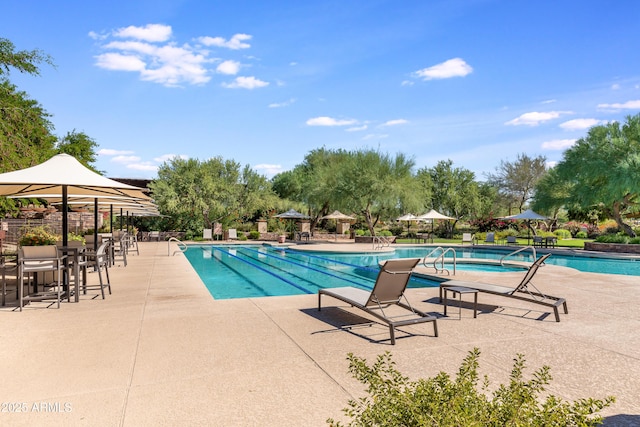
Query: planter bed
[(612, 247)]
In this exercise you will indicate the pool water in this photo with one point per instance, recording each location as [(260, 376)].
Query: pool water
[(243, 271), (257, 271)]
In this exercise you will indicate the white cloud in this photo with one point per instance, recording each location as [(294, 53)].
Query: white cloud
[(120, 62), (374, 136), (329, 121), (163, 158), (245, 83), (228, 67), (145, 166), (357, 128), (150, 32), (455, 67), (268, 169), (615, 86), (558, 144), (234, 43), (551, 164), (549, 101), (125, 159), (149, 51), (112, 152), (579, 124), (632, 105), (394, 122), (282, 104), (535, 118)]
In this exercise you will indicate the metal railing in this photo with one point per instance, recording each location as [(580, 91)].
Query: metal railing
[(182, 247), (380, 242), (518, 251), (439, 258)]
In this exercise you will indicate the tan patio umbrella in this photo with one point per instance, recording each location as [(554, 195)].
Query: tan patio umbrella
[(63, 175), (338, 216), (433, 215), (527, 216), (408, 217)]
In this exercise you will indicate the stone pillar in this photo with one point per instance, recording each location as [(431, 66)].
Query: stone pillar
[(304, 226), (262, 226), (341, 227)]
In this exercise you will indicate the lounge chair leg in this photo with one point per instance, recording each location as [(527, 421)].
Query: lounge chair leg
[(393, 335), (319, 298), (435, 328), (557, 313)]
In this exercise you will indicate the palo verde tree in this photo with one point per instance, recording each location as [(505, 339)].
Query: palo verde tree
[(516, 181), (453, 191), (197, 194), (376, 185), (602, 170)]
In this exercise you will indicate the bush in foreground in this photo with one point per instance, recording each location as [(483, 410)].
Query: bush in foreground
[(440, 401)]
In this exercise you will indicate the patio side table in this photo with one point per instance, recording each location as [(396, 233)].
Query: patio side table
[(459, 290)]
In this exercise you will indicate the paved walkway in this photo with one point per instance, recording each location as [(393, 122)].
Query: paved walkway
[(160, 351)]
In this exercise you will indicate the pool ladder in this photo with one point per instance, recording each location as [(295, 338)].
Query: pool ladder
[(535, 257), (182, 247), (429, 261), (380, 242)]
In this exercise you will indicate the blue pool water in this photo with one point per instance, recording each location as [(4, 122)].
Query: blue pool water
[(243, 271)]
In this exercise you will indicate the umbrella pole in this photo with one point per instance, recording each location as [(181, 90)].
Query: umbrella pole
[(65, 221), (95, 225)]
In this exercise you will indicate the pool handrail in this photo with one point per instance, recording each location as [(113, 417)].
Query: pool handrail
[(182, 247), (535, 257), (441, 259), (380, 242)]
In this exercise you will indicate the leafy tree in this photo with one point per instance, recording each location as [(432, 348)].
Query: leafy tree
[(394, 400), (454, 191), (516, 180), (601, 171), (80, 146), (198, 194), (375, 185), (25, 61)]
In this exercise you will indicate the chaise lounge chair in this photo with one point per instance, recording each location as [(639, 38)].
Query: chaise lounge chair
[(522, 292), (387, 291)]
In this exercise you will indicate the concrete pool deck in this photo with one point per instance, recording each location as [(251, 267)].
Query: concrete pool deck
[(161, 351)]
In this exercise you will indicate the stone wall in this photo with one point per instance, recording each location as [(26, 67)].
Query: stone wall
[(612, 247)]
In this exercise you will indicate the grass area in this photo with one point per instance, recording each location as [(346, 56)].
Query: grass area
[(562, 243)]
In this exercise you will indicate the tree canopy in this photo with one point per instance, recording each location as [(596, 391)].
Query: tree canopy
[(197, 194), (602, 170)]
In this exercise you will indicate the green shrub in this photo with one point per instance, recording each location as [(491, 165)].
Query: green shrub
[(254, 235), (393, 400), (581, 235), (635, 241), (561, 233), (612, 238), (359, 232), (385, 233), (241, 236)]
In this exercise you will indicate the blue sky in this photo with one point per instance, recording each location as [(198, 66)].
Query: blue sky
[(265, 82)]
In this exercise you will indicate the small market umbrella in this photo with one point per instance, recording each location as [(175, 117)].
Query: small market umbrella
[(292, 214), (432, 215), (527, 216), (338, 216), (407, 217)]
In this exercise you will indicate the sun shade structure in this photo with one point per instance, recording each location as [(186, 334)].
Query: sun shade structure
[(432, 215), (527, 216), (292, 214), (338, 216), (408, 217), (63, 175)]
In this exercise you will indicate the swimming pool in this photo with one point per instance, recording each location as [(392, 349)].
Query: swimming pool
[(244, 271)]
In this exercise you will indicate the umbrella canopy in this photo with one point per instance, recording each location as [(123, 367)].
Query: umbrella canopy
[(63, 175), (292, 214), (337, 215), (408, 217), (433, 214), (528, 214)]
